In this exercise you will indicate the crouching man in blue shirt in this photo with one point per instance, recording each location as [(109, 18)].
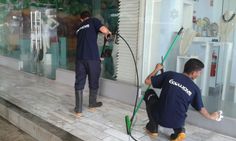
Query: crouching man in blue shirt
[(177, 91)]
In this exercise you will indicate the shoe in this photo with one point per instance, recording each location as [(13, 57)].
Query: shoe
[(92, 108), (93, 99), (151, 133), (97, 104), (178, 137), (151, 129)]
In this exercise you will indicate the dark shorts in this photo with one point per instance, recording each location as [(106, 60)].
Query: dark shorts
[(90, 68)]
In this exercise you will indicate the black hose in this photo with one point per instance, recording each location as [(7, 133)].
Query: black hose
[(137, 84)]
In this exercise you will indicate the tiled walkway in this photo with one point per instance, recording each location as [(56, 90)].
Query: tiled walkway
[(54, 103), (8, 132)]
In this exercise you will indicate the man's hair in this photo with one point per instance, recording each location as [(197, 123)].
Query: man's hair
[(193, 65), (85, 14)]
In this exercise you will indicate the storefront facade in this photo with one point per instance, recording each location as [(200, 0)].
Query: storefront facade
[(38, 37)]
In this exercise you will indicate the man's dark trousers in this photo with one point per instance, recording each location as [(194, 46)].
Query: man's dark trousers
[(92, 68), (151, 100)]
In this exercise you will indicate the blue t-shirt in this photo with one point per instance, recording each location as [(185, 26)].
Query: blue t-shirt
[(178, 91), (87, 48)]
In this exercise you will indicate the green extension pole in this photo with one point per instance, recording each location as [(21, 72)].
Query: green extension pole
[(129, 121)]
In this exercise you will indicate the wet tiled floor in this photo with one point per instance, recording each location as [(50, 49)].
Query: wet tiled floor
[(9, 132), (54, 103)]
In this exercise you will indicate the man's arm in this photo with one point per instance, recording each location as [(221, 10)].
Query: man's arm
[(148, 80), (206, 114), (105, 31)]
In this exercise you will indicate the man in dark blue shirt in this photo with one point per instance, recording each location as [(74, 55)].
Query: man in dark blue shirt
[(88, 60), (177, 91)]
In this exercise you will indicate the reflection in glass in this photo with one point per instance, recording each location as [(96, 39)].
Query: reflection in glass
[(42, 34)]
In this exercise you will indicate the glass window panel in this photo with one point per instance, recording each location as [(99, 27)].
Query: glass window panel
[(46, 40)]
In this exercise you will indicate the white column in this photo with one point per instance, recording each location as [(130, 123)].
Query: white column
[(151, 47), (227, 61)]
